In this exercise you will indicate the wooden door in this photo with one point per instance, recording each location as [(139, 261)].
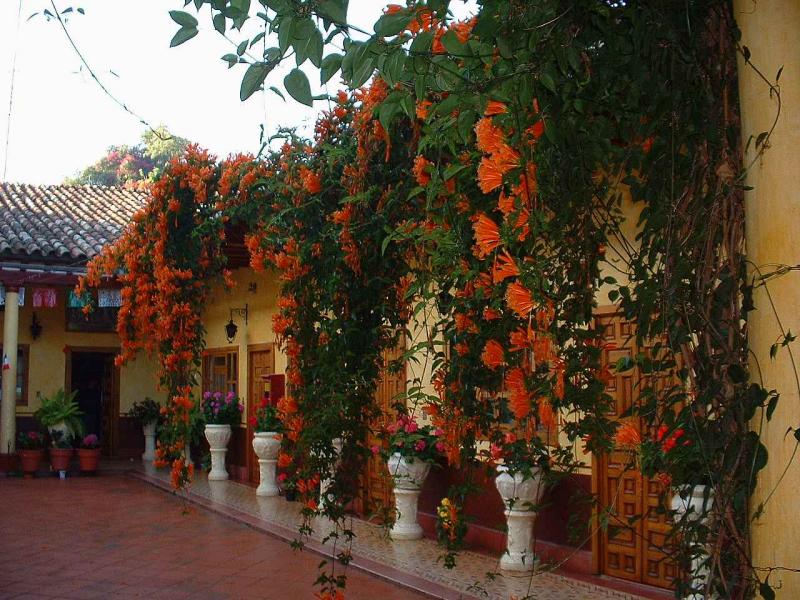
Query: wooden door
[(630, 547), (377, 493), (261, 364), (110, 401)]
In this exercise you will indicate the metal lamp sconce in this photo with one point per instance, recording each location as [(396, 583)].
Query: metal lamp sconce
[(231, 328), (36, 327)]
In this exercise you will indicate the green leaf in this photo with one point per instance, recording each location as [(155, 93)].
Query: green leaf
[(182, 18), (231, 59), (392, 69), (547, 81), (253, 78), (184, 34), (452, 44), (285, 33), (766, 591), (422, 43), (392, 24), (387, 111), (296, 83), (772, 405), (330, 66), (277, 92), (335, 10), (241, 48), (219, 23)]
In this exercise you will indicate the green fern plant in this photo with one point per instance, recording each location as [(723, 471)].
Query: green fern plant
[(58, 408)]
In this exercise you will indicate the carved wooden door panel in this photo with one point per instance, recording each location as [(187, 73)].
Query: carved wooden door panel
[(630, 547), (261, 366), (377, 490)]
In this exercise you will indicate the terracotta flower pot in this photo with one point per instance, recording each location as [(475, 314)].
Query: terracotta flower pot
[(88, 458), (60, 458), (30, 460)]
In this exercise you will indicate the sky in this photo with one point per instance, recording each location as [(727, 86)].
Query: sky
[(60, 119)]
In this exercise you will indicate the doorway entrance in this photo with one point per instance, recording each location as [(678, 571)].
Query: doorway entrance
[(261, 365), (630, 548), (92, 374)]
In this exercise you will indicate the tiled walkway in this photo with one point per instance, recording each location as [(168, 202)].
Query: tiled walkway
[(413, 563), (112, 537)]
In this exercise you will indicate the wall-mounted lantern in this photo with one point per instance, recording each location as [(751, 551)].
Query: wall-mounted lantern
[(231, 328), (36, 327)]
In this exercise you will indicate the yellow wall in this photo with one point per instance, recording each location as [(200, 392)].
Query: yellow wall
[(771, 31), (261, 305), (47, 362)]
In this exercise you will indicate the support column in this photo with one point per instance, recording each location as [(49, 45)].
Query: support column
[(769, 30), (8, 408)]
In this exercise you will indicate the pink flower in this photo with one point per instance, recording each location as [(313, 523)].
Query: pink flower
[(207, 396), (391, 428), (420, 446), (440, 446), (375, 450), (496, 452), (411, 427), (282, 477), (230, 396), (438, 432)]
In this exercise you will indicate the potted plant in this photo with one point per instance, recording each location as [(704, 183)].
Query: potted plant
[(29, 449), (147, 412), (673, 456), (412, 451), (289, 486), (266, 444), (519, 481), (60, 412), (89, 453), (220, 412), (61, 452)]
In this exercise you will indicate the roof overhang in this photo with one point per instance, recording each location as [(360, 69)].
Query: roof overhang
[(21, 274)]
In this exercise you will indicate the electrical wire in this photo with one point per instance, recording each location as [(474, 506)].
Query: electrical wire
[(11, 92)]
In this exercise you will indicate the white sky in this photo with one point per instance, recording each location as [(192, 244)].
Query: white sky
[(62, 121)]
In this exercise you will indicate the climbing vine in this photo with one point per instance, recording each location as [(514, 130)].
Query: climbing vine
[(499, 177)]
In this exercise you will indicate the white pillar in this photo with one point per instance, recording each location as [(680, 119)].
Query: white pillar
[(8, 409)]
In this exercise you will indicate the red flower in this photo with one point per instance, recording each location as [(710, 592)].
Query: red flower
[(487, 235), (493, 355)]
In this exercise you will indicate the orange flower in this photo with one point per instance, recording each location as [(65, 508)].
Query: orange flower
[(420, 170), (536, 130), (493, 355), (495, 108), (489, 136), (520, 340), (505, 204), (519, 399), (464, 323), (492, 169), (487, 235), (284, 460), (504, 267), (311, 181), (461, 348), (628, 435), (519, 299), (393, 9), (490, 314), (547, 417), (422, 109)]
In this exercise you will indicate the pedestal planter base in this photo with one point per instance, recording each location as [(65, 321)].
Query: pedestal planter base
[(406, 526), (149, 431), (218, 437), (266, 445), (519, 555), (697, 501), (408, 476), (519, 495)]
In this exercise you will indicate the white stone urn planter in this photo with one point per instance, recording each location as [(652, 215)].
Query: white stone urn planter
[(519, 495), (149, 431), (408, 475), (266, 445), (218, 437), (697, 501), (325, 483)]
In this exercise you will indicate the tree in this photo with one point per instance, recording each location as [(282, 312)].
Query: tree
[(133, 166)]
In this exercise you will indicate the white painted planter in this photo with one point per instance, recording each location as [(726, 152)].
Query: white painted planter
[(218, 437), (698, 507), (519, 494), (408, 477), (266, 445), (325, 483), (149, 431)]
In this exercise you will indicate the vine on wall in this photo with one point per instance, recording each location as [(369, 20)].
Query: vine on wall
[(488, 172)]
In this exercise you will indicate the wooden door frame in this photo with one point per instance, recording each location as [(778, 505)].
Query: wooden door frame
[(116, 379), (250, 458)]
